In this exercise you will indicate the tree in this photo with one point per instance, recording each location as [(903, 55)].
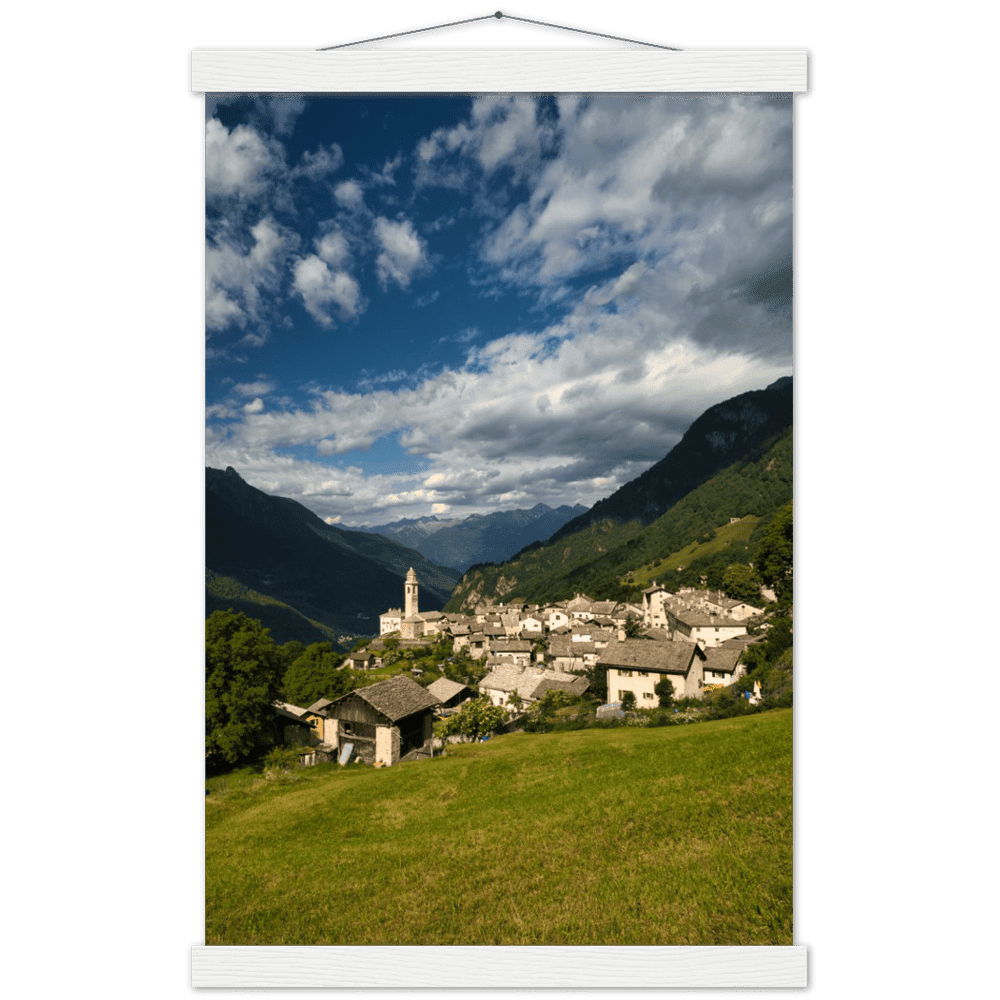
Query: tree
[(628, 700), (476, 718), (664, 690), (242, 671), (742, 583), (774, 554), (313, 675), (633, 628)]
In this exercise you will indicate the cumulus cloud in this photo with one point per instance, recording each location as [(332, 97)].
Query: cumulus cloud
[(321, 287), (350, 195), (238, 162), (661, 228), (511, 132), (529, 423), (236, 275), (403, 252)]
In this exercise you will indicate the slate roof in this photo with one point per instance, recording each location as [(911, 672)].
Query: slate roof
[(563, 645), (603, 607), (511, 646), (506, 677), (396, 697), (291, 709), (642, 654), (722, 660), (700, 619), (444, 688), (295, 715), (317, 706), (574, 685)]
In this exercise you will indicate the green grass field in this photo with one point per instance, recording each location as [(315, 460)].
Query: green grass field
[(668, 836)]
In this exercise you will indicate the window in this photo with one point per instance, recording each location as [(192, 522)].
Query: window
[(647, 694)]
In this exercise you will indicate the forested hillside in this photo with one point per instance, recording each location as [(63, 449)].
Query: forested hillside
[(609, 560), (280, 549)]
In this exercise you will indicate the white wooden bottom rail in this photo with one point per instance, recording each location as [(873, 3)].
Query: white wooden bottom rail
[(508, 968)]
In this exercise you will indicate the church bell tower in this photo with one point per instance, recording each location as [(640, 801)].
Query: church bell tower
[(411, 607)]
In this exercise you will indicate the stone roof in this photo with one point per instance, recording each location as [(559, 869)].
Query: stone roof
[(396, 697), (317, 706), (290, 712), (291, 709), (574, 685), (506, 677), (701, 619), (721, 660), (563, 645), (511, 646), (603, 607), (580, 602), (444, 688), (642, 654)]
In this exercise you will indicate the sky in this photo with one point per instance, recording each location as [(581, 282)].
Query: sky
[(455, 305)]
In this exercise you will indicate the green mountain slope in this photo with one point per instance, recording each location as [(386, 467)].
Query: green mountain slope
[(278, 548), (598, 559), (285, 623)]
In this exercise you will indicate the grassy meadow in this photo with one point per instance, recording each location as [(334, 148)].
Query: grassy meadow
[(679, 835)]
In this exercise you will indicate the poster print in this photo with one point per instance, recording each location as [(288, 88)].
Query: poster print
[(498, 520)]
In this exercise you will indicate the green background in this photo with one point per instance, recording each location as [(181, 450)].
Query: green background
[(103, 360)]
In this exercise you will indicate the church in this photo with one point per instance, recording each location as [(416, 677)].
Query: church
[(392, 620)]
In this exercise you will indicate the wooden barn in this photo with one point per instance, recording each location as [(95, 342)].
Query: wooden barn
[(386, 722)]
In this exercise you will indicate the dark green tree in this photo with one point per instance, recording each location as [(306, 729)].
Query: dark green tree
[(633, 627), (774, 554), (313, 675), (242, 682), (628, 700), (742, 583), (664, 690)]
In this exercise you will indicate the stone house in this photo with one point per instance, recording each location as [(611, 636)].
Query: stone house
[(637, 665), (654, 610), (530, 683), (722, 666), (517, 651), (694, 626), (390, 621), (449, 693), (386, 722)]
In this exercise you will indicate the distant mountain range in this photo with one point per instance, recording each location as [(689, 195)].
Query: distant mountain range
[(278, 548), (478, 538)]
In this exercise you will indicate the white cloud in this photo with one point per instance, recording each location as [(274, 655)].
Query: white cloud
[(284, 110), (316, 164), (239, 162), (350, 195), (319, 287), (403, 252), (333, 248), (562, 416), (260, 388), (235, 277), (255, 406)]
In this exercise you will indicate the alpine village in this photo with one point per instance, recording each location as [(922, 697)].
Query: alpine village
[(577, 730)]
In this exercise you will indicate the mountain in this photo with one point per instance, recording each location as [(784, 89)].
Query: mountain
[(612, 557), (338, 578), (479, 538), (411, 531), (731, 431)]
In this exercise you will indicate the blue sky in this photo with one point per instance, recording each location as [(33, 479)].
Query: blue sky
[(452, 305)]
